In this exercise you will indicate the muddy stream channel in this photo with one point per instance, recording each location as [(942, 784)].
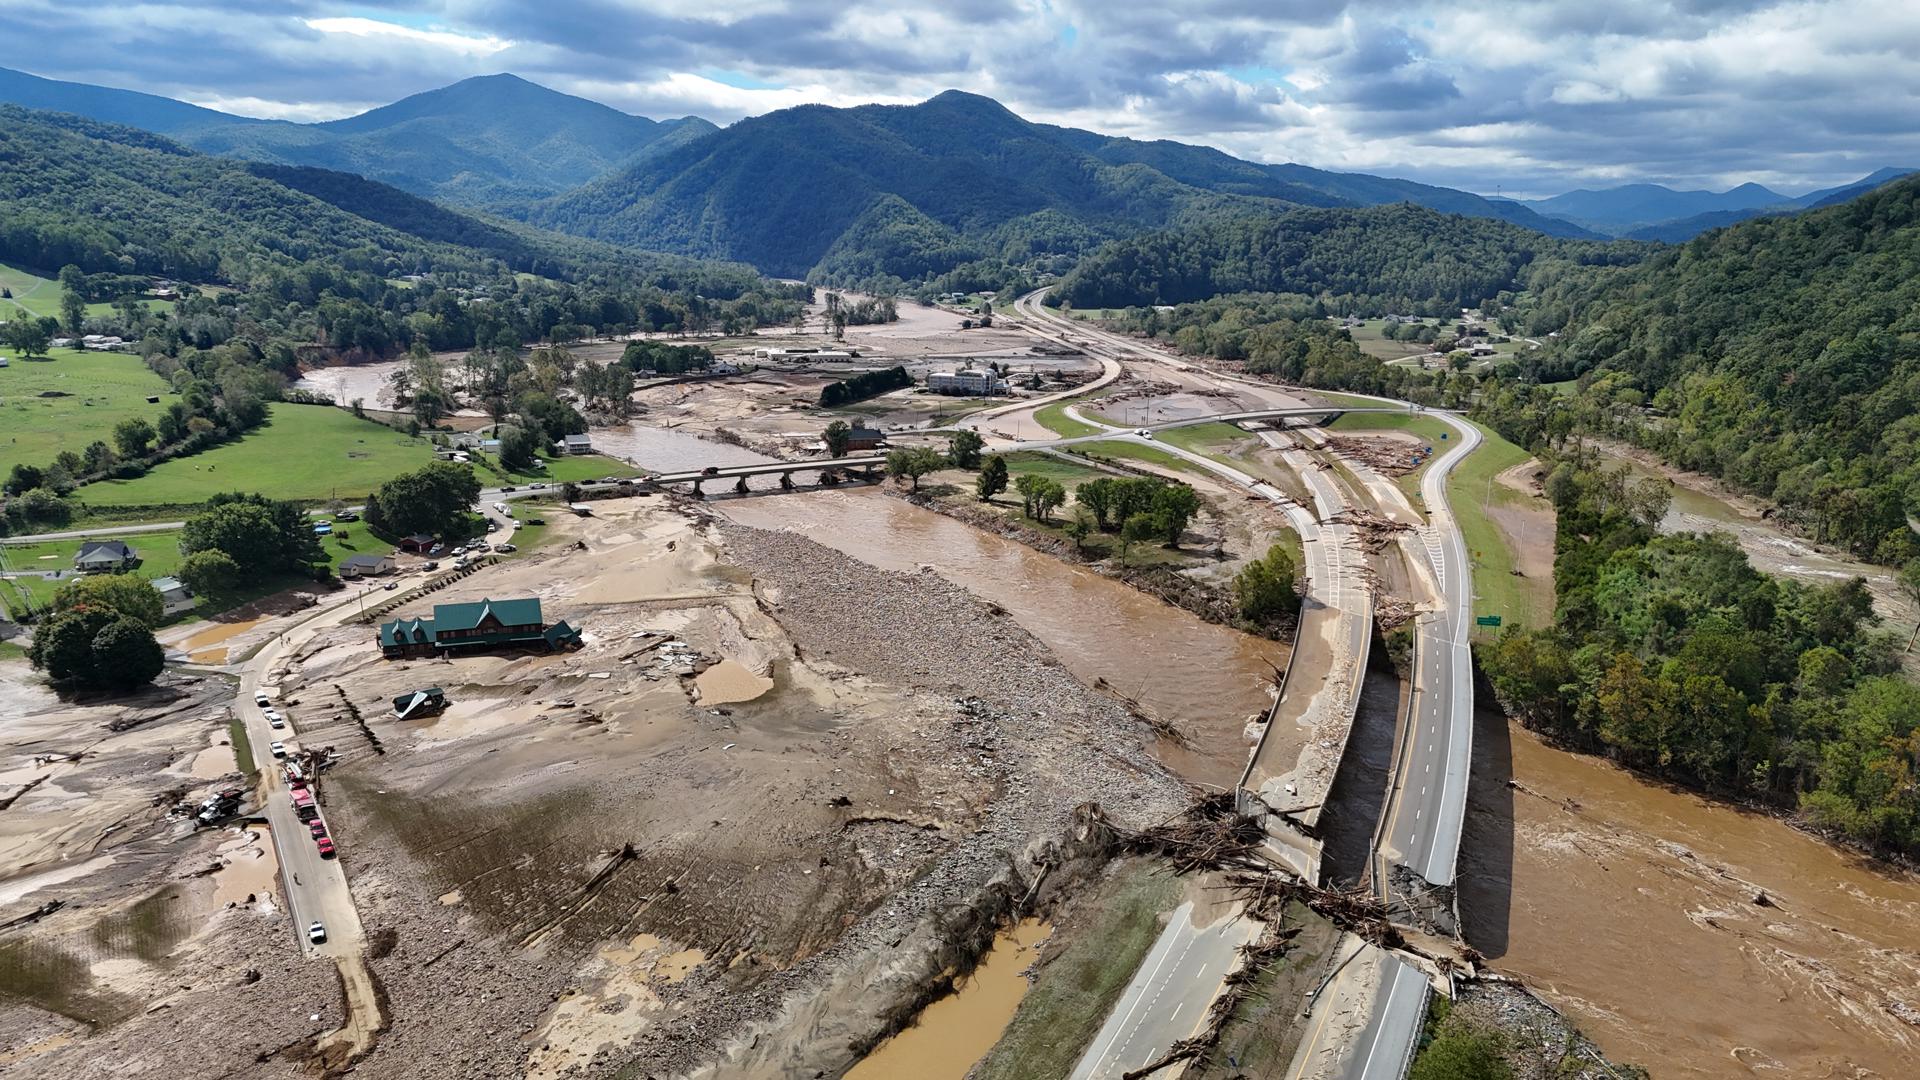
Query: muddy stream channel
[(1684, 935)]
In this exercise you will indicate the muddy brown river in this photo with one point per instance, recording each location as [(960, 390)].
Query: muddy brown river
[(1687, 936), (1207, 680)]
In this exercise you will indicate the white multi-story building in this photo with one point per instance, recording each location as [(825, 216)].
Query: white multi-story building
[(974, 382)]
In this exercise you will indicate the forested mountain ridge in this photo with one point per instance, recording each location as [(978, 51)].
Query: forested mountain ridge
[(785, 189), (1403, 258), (1780, 354), (480, 141), (115, 200)]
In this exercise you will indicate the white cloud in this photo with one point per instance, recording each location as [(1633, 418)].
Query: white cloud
[(463, 44)]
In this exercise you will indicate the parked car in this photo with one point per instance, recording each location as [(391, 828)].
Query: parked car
[(536, 487), (319, 828), (275, 720), (437, 549), (317, 933), (483, 547), (392, 585), (278, 749), (534, 521), (260, 698), (325, 844), (461, 550), (431, 565), (509, 487), (346, 515), (506, 549)]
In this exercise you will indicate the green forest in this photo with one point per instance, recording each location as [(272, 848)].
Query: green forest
[(1673, 654)]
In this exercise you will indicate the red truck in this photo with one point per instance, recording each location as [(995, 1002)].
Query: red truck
[(303, 805)]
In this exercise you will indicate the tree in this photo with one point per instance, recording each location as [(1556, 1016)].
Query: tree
[(73, 305), (208, 572), (29, 336), (1048, 498), (838, 435), (43, 505), (914, 462), (125, 655), (99, 457), (992, 479), (1135, 529), (1098, 497), (63, 645), (24, 478), (1174, 505), (1028, 485), (434, 499), (519, 448), (131, 436), (1266, 587), (1077, 528), (1910, 587), (963, 449), (262, 536), (129, 595)]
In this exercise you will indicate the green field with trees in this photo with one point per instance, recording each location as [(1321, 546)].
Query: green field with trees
[(69, 399), (302, 452)]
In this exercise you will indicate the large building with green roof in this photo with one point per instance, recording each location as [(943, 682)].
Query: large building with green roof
[(482, 624)]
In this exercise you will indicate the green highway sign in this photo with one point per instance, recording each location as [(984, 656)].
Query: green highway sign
[(1488, 620)]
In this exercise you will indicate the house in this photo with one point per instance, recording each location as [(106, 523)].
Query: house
[(420, 703), (358, 566), (105, 557), (175, 597), (482, 624), (577, 444), (418, 543), (861, 437), (973, 382)]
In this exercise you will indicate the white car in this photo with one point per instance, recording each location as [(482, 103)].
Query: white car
[(1143, 433), (506, 549), (461, 550), (317, 933), (275, 720), (261, 699), (278, 749)]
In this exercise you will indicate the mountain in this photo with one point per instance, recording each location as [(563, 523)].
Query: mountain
[(1836, 195), (1620, 209), (1781, 354), (121, 200), (132, 108), (955, 177), (482, 141), (1681, 230), (1399, 258)]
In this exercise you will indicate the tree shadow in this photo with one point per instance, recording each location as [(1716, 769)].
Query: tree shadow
[(1484, 884)]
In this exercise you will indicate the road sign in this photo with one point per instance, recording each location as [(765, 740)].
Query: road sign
[(1488, 620)]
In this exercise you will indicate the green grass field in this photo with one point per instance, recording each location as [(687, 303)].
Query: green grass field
[(1371, 337), (1064, 472), (1117, 448), (303, 452), (1203, 438), (1471, 490), (36, 295), (1055, 419), (100, 389)]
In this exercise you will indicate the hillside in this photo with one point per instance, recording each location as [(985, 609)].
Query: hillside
[(784, 190), (481, 141), (1386, 259), (1654, 212), (1781, 354)]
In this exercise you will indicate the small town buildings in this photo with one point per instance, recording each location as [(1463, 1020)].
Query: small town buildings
[(803, 356), (861, 438), (358, 566), (972, 382), (420, 703), (577, 444), (105, 557), (175, 597), (483, 624)]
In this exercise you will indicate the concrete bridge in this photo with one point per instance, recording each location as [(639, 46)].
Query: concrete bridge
[(832, 470), (1319, 416)]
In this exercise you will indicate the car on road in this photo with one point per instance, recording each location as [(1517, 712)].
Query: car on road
[(318, 827), (506, 549), (502, 507), (711, 470), (461, 550), (260, 698), (509, 487), (392, 585), (493, 525), (274, 719), (536, 487), (277, 748), (317, 933), (431, 565), (483, 547), (1143, 433), (609, 479), (325, 845), (437, 549)]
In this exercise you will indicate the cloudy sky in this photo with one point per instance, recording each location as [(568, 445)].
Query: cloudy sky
[(1528, 98)]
